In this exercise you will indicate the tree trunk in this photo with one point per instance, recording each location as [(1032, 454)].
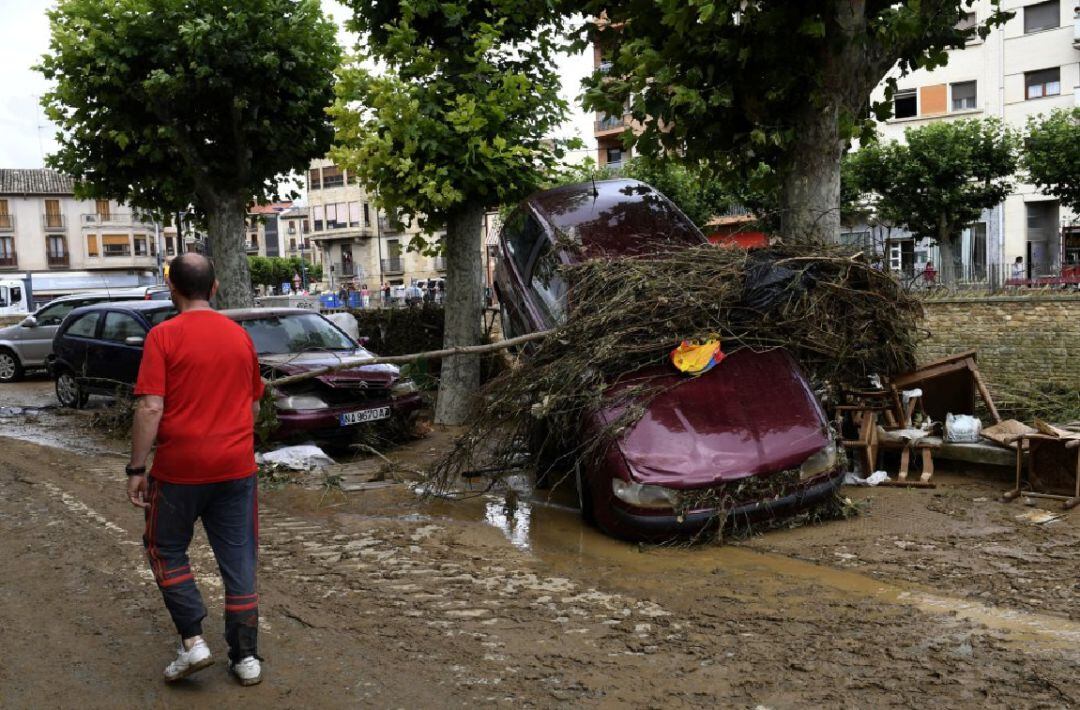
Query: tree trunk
[(460, 377), (947, 254), (226, 226), (810, 196)]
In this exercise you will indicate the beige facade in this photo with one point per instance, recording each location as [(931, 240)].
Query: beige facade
[(357, 244), (1029, 66), (69, 245)]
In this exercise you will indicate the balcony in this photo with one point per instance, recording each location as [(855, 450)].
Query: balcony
[(7, 222), (9, 262), (54, 222), (393, 265), (124, 220), (611, 123), (58, 261), (345, 269), (440, 263)]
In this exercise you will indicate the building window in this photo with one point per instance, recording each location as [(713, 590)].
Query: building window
[(354, 214), (307, 244), (91, 245), (5, 216), (367, 215), (314, 179), (331, 216), (1042, 16), (116, 245), (292, 227), (905, 104), (53, 217), (292, 244), (56, 247), (7, 251), (967, 23), (977, 252), (140, 245), (614, 155), (319, 217), (964, 96), (101, 208), (170, 250), (305, 228), (332, 176), (1038, 84)]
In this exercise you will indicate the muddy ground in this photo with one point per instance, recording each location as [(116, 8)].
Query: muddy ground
[(370, 598)]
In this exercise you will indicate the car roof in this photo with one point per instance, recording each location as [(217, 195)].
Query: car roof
[(239, 314), (139, 306), (614, 217)]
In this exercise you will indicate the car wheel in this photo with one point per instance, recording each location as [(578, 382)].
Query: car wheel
[(11, 370), (69, 392)]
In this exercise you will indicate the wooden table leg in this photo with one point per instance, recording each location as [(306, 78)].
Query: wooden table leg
[(927, 464), (1015, 492), (905, 459)]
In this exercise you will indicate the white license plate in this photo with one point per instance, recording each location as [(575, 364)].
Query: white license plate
[(368, 415)]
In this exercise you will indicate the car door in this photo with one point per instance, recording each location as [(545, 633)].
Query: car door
[(114, 362), (76, 340), (34, 342)]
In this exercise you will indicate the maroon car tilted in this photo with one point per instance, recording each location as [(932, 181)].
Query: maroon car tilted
[(749, 432)]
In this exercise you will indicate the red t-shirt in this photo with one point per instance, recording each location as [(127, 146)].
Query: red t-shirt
[(205, 367)]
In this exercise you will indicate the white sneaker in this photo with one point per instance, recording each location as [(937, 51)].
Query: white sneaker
[(248, 670), (188, 662)]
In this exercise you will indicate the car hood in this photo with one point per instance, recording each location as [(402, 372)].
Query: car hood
[(295, 364), (753, 413)]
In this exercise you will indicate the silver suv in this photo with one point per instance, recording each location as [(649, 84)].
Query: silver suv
[(28, 344)]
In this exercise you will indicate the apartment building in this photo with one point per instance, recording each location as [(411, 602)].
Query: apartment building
[(66, 244), (264, 229), (1028, 66), (357, 244), (608, 129)]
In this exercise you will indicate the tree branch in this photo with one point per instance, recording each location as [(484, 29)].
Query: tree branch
[(402, 359)]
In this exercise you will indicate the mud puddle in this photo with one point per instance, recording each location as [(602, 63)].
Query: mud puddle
[(550, 528)]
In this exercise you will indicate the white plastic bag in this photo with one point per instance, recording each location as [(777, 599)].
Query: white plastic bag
[(852, 479), (962, 428), (307, 457)]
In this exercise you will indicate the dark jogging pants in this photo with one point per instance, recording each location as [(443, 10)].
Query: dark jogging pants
[(230, 516)]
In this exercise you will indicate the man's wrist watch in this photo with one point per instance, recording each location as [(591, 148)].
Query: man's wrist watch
[(135, 470)]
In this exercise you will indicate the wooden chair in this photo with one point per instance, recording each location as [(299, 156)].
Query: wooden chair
[(1069, 454)]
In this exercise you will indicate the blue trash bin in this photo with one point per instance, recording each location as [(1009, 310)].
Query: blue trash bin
[(354, 299)]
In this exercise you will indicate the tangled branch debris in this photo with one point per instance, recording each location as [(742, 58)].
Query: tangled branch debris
[(839, 317)]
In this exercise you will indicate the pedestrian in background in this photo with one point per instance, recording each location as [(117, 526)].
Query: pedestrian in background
[(198, 395)]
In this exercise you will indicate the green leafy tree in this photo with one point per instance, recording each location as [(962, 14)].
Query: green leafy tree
[(771, 91), (260, 270), (1052, 155), (166, 103), (940, 180), (455, 123)]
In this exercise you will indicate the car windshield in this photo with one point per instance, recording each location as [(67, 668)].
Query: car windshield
[(302, 332)]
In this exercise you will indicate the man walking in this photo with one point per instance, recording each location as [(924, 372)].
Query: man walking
[(198, 394)]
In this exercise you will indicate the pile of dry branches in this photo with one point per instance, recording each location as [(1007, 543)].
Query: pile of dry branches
[(840, 318)]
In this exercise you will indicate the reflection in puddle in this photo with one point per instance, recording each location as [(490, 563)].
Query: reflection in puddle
[(512, 519)]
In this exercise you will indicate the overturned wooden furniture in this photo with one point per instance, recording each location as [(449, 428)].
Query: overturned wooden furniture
[(910, 442), (1053, 468), (865, 445), (949, 386)]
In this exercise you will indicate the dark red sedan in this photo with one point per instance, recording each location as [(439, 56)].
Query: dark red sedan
[(748, 438), (291, 341)]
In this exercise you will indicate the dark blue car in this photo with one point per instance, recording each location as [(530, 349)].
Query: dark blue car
[(98, 348)]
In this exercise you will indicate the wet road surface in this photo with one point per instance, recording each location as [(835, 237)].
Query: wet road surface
[(376, 598)]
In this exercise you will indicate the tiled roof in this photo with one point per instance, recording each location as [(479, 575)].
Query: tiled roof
[(272, 208), (35, 182)]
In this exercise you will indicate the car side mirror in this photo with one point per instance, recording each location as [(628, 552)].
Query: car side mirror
[(363, 340), (134, 340), (29, 322)]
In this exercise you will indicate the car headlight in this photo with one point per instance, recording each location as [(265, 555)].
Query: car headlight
[(300, 401), (821, 462), (403, 387), (641, 495)]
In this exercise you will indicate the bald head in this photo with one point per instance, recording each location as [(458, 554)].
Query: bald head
[(192, 275)]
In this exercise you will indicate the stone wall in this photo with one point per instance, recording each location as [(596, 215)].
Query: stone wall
[(1024, 341)]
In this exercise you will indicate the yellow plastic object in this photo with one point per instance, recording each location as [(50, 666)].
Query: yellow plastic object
[(696, 358)]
